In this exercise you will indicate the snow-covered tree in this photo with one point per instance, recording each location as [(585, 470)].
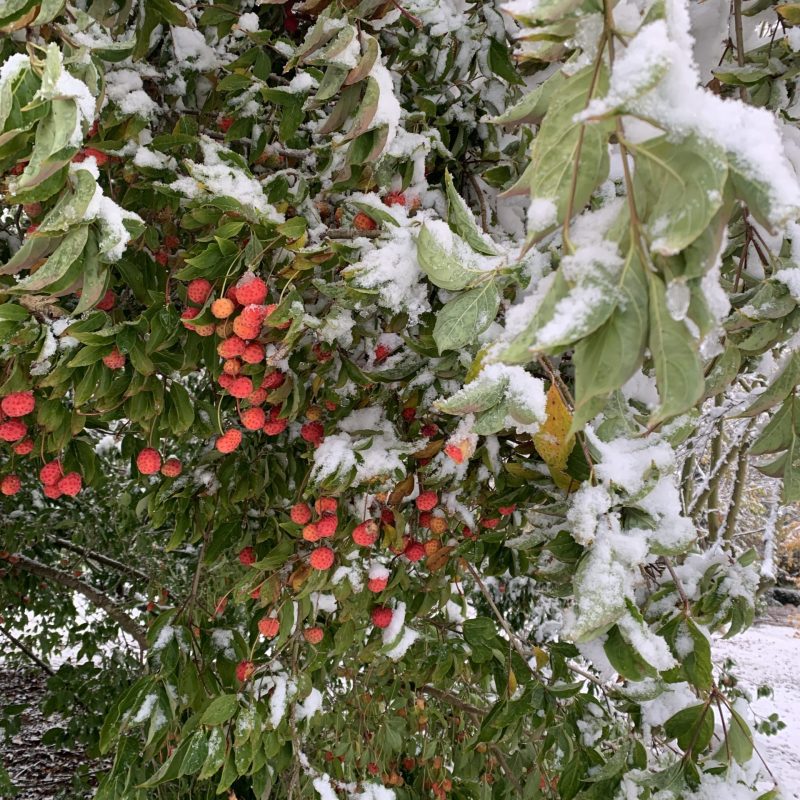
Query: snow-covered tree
[(379, 382)]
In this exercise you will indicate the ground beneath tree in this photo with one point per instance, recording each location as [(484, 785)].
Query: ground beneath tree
[(40, 771)]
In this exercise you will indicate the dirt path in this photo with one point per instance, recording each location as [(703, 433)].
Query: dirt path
[(40, 771)]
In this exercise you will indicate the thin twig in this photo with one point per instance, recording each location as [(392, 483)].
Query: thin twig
[(101, 559)]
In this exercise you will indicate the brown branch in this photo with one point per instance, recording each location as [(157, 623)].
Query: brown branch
[(27, 651), (94, 596), (351, 233), (736, 497), (101, 559), (473, 182)]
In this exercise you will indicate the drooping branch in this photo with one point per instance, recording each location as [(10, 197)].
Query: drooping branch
[(101, 559), (94, 596)]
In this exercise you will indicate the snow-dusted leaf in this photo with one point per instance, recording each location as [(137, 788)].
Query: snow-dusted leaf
[(445, 260), (220, 709), (479, 395), (461, 320), (679, 373), (57, 265), (779, 432), (564, 146), (462, 221), (534, 105), (492, 420), (678, 187), (778, 390)]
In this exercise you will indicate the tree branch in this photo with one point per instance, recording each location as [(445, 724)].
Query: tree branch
[(101, 559), (94, 596)]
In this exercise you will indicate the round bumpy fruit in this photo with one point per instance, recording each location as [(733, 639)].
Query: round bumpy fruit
[(253, 353), (18, 404), (327, 525), (171, 468), (321, 558), (312, 432), (229, 441), (273, 380), (310, 532), (231, 347), (12, 430), (414, 551), (247, 556), (52, 492), (438, 525), (273, 427), (114, 360), (362, 222), (244, 330), (377, 585), (222, 308), (366, 534), (313, 635), (300, 513), (50, 474), (251, 289), (326, 505), (241, 387), (253, 418), (427, 501), (381, 616), (10, 484), (108, 301), (70, 484), (24, 447), (198, 291), (269, 627), (244, 671), (148, 461)]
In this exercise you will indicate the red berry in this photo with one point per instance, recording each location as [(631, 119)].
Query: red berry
[(327, 525), (244, 670), (313, 432), (24, 447), (108, 301), (409, 413), (429, 430), (148, 461), (241, 387), (162, 256), (251, 290), (225, 123), (172, 467), (50, 474), (12, 430), (172, 242), (381, 616), (269, 627), (198, 291), (273, 380), (468, 534), (300, 513), (10, 484), (310, 533), (222, 308), (491, 523), (253, 315), (247, 556), (381, 353), (506, 511), (225, 380), (425, 519), (273, 427), (377, 585), (321, 558), (229, 441), (362, 222), (313, 635), (18, 404), (253, 353), (253, 418), (70, 484), (245, 331), (52, 491), (326, 505), (455, 453), (366, 534), (232, 366), (387, 516), (414, 551), (427, 501), (231, 347), (395, 199), (257, 397), (114, 360)]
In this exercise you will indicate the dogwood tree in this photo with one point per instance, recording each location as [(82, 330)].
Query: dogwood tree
[(379, 383)]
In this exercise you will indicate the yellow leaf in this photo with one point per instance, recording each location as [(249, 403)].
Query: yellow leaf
[(553, 441)]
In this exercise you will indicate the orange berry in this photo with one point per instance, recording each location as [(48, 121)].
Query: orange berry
[(222, 308)]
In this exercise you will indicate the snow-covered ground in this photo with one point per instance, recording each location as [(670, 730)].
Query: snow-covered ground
[(770, 654)]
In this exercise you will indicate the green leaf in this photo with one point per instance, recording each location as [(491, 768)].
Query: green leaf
[(679, 373), (534, 105), (220, 710), (215, 758), (71, 206), (462, 221), (693, 728), (476, 396), (462, 319), (778, 390), (196, 753), (624, 658), (679, 187), (740, 738), (451, 268), (181, 409), (58, 264), (607, 358), (564, 148)]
